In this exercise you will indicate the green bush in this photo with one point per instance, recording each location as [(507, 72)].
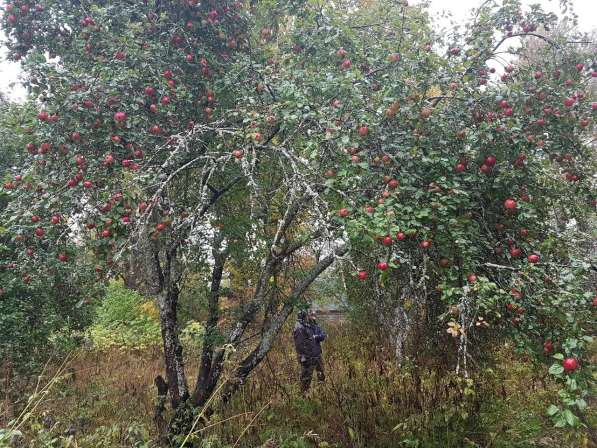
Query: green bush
[(124, 319), (191, 336), (39, 321)]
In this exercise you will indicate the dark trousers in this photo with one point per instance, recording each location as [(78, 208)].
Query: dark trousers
[(307, 368)]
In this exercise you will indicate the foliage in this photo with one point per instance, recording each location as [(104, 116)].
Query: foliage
[(37, 319), (124, 319)]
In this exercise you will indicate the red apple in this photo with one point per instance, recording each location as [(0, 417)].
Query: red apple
[(108, 160), (105, 233), (40, 232), (363, 130), (44, 148), (510, 204), (516, 293), (62, 257), (425, 244), (35, 218), (120, 116), (400, 236), (55, 219), (547, 347), (570, 364), (387, 240), (569, 102), (460, 167), (472, 278), (382, 266), (343, 212), (362, 275), (515, 252), (490, 160), (533, 258)]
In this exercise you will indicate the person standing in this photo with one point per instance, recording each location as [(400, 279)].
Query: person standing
[(308, 336)]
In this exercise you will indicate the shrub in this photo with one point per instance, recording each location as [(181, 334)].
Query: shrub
[(191, 336), (124, 319)]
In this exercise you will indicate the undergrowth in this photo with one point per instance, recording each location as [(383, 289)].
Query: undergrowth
[(106, 399)]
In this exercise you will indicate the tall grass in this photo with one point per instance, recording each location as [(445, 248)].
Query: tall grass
[(366, 401)]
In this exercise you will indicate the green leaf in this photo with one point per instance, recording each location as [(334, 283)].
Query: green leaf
[(552, 410), (571, 419), (556, 369)]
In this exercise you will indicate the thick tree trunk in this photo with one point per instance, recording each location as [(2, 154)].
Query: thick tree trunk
[(173, 356), (203, 387)]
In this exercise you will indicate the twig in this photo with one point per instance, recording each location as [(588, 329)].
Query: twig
[(250, 423), (205, 406)]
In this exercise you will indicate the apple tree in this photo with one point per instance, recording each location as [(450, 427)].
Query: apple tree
[(472, 172), (156, 141)]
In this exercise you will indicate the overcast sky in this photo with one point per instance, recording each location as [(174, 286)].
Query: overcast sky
[(586, 10)]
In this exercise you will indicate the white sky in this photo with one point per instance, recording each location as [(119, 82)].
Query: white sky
[(585, 9)]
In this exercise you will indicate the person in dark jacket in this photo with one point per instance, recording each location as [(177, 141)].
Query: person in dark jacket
[(308, 336)]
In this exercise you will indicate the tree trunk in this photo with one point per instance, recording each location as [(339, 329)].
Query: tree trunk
[(203, 387), (173, 357)]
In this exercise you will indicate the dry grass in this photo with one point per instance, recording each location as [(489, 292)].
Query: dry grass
[(367, 401)]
